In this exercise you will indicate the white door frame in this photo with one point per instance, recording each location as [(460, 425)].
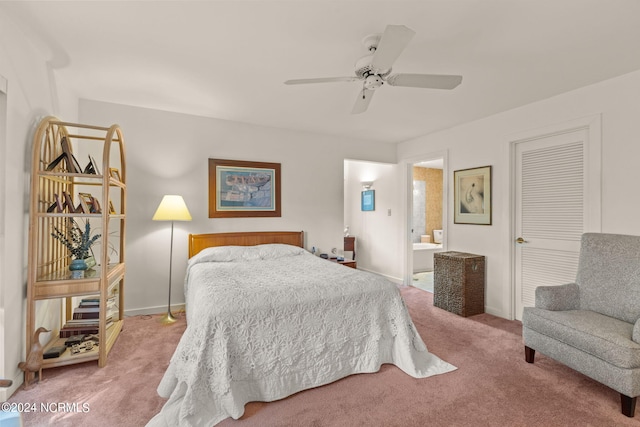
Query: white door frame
[(4, 393), (593, 193), (408, 206)]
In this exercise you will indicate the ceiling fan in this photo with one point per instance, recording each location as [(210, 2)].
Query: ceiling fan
[(374, 69)]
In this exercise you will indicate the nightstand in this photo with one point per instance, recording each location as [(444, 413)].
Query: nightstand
[(347, 262), (350, 245)]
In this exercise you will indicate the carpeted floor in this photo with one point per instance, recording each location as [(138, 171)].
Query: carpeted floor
[(493, 385)]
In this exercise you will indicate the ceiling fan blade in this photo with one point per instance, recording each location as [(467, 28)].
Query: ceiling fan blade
[(321, 80), (427, 81), (394, 39), (362, 101)]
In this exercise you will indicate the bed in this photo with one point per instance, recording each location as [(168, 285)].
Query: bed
[(267, 319)]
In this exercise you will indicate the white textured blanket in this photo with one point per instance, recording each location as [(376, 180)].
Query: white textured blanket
[(268, 321)]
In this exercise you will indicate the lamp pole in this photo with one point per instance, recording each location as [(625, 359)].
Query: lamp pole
[(168, 318)]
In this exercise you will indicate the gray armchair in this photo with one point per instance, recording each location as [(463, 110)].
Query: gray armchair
[(593, 325)]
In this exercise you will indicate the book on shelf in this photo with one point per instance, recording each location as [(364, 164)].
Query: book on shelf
[(69, 330), (95, 301), (82, 322), (86, 314), (86, 317), (87, 309), (89, 304), (89, 315)]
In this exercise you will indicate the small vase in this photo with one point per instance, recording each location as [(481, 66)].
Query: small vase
[(77, 267)]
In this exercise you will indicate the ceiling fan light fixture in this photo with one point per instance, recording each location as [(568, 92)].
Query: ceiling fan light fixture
[(373, 81), (363, 67)]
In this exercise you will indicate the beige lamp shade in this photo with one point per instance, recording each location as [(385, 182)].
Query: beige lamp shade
[(172, 208)]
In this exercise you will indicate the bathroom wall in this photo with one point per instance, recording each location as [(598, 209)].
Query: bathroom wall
[(433, 198), (419, 226)]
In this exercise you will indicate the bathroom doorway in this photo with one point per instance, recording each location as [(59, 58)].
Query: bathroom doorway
[(426, 219)]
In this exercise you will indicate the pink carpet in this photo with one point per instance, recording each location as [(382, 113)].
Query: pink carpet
[(493, 385)]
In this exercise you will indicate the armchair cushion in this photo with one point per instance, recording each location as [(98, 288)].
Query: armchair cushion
[(636, 331), (609, 275), (558, 298), (601, 336)]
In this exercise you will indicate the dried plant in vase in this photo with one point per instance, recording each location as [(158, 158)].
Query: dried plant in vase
[(79, 244)]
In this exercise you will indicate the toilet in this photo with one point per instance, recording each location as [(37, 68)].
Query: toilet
[(437, 236)]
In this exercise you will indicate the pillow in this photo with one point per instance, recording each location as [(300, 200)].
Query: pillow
[(219, 254), (245, 253), (278, 250)]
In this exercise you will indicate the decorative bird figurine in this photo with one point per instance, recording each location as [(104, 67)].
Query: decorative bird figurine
[(34, 358)]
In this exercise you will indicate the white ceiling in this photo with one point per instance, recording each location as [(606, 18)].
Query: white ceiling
[(229, 59)]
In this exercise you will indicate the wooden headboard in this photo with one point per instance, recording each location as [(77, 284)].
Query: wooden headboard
[(198, 242)]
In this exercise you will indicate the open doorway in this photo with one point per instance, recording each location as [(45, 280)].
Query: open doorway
[(426, 219)]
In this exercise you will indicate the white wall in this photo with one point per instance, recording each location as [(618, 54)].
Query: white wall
[(167, 153), (378, 233), (486, 142), (31, 94)]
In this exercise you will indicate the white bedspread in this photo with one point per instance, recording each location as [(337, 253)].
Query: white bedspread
[(268, 321)]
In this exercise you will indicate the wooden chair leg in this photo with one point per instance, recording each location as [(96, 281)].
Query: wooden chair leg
[(628, 405), (529, 354)]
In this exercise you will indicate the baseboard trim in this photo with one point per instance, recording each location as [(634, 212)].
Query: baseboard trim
[(396, 280), (6, 393), (175, 308)]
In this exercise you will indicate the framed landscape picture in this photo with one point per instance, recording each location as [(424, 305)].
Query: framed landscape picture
[(243, 189), (472, 196)]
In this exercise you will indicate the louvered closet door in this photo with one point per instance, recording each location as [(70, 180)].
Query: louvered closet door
[(550, 212)]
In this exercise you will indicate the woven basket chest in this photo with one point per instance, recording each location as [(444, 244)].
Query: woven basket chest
[(458, 284)]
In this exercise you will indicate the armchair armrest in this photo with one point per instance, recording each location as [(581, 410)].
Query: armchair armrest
[(636, 332), (558, 298)]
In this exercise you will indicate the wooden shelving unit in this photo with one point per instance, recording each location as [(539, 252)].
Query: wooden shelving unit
[(48, 271)]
